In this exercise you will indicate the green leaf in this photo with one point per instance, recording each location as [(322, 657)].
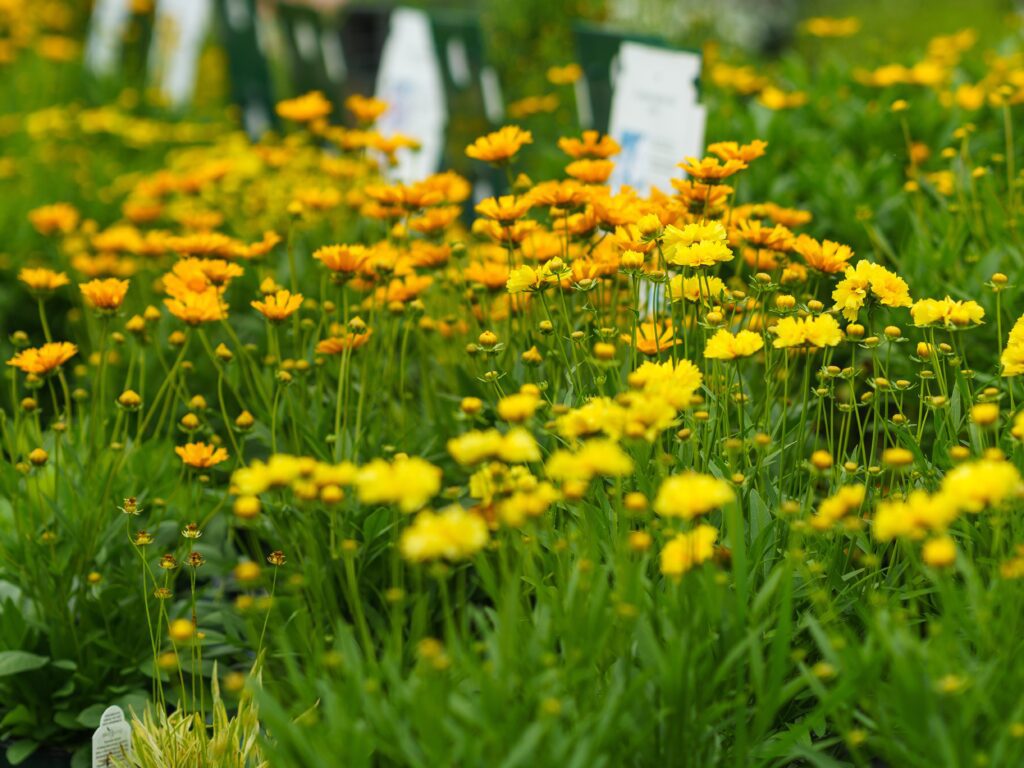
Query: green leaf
[(20, 715), (21, 750), (13, 662)]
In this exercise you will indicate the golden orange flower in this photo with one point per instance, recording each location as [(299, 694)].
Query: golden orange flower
[(342, 258), (45, 359), (279, 305), (201, 455), (104, 295), (505, 208), (652, 337), (590, 171), (499, 146), (59, 218), (42, 280), (365, 109), (566, 75), (711, 168), (335, 345), (196, 307), (593, 144), (304, 109)]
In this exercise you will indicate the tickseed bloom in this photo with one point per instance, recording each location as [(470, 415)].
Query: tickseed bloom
[(346, 259), (45, 359), (695, 288), (946, 312), (980, 484), (1012, 360), (725, 346), (920, 513), (939, 552), (837, 507), (279, 306), (499, 146), (506, 208), (691, 494), (335, 345), (527, 279), (42, 281), (817, 332), (700, 244), (594, 458), (687, 550), (181, 630), (59, 218), (565, 75), (517, 446), (453, 534), (201, 455), (365, 109), (652, 337), (196, 308), (825, 256), (592, 145), (852, 292), (408, 482), (731, 150), (104, 295), (711, 169), (304, 109)]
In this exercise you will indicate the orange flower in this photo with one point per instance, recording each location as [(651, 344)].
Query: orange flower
[(342, 258), (199, 307), (42, 280), (711, 168), (499, 146), (44, 359), (201, 455), (593, 144), (304, 109), (652, 338), (566, 75), (590, 171), (730, 150), (105, 295), (278, 306), (59, 218), (335, 345), (506, 208), (365, 109)]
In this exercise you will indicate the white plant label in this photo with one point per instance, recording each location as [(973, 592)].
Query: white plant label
[(410, 81), (113, 739), (179, 32), (106, 35), (655, 116)]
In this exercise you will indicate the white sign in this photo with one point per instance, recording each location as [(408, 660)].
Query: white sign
[(106, 35), (179, 32), (410, 81), (113, 739), (655, 116)]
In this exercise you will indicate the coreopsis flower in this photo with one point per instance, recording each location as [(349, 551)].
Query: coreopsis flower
[(692, 494), (104, 295), (776, 99), (505, 209), (499, 146), (946, 312), (825, 256), (590, 171), (453, 534), (206, 306), (694, 289), (564, 75), (1012, 360), (279, 305), (365, 109), (595, 458), (920, 513), (335, 345), (711, 169), (652, 337), (820, 331), (568, 193), (730, 150), (592, 144), (677, 383), (825, 26), (726, 346), (981, 484), (277, 558), (835, 508), (42, 281), (45, 359), (939, 552), (527, 279), (704, 253), (304, 109), (59, 218), (345, 259), (201, 455), (686, 550), (852, 291), (408, 482)]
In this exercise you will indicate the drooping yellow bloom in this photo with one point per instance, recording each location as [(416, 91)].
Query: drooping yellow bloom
[(692, 494), (725, 346), (453, 534), (947, 312), (279, 305), (687, 550), (305, 108), (42, 280), (499, 146), (45, 359), (104, 295), (201, 455)]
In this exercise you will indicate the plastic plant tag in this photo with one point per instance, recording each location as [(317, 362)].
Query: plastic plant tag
[(113, 739)]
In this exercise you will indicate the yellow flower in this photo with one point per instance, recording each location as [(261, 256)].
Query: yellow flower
[(453, 534), (181, 630), (833, 509), (526, 278), (42, 280), (888, 288), (279, 306), (703, 253), (984, 483), (365, 109), (506, 208), (827, 256), (711, 168), (499, 146), (201, 455), (104, 295), (593, 144), (408, 482), (595, 458), (730, 150), (342, 258), (335, 345), (196, 308), (821, 331), (913, 517), (691, 494), (305, 108), (566, 75), (939, 552), (695, 288), (59, 218), (45, 359), (824, 26), (518, 407), (946, 312), (687, 550), (725, 346)]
